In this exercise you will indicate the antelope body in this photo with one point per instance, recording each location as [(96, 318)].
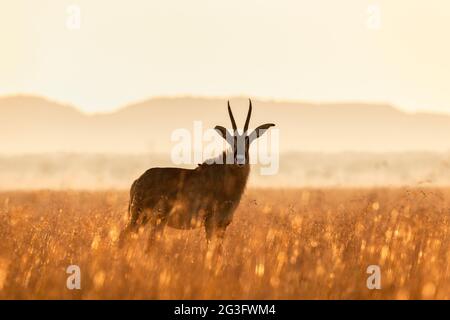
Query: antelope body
[(190, 198)]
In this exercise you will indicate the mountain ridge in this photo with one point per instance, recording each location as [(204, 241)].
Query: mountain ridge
[(33, 124), (136, 104)]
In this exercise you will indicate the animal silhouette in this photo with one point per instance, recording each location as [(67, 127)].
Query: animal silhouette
[(190, 198)]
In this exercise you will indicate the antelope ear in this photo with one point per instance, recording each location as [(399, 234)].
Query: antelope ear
[(224, 133), (258, 132)]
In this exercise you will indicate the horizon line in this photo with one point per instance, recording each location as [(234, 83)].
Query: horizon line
[(216, 97)]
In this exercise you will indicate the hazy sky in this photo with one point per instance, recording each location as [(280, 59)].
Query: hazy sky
[(318, 50)]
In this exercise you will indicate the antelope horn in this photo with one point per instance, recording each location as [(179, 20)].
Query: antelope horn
[(249, 114), (233, 123)]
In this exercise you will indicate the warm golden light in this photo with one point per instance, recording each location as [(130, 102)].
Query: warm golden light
[(307, 50)]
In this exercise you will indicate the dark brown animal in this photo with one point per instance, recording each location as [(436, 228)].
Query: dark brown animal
[(186, 199)]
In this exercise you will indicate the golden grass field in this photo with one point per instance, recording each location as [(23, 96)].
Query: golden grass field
[(296, 244)]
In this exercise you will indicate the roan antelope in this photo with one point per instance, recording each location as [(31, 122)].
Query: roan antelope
[(189, 198)]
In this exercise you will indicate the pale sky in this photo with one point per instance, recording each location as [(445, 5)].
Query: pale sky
[(126, 51)]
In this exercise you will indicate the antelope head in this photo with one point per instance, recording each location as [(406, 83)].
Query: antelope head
[(240, 143)]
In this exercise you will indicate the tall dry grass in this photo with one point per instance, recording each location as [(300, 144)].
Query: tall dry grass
[(297, 244)]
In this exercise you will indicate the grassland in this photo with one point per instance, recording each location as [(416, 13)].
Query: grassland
[(296, 244)]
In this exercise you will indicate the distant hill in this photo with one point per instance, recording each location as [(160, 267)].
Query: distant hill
[(31, 124)]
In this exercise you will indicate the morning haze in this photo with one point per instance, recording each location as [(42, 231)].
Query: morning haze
[(359, 90), (48, 145)]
